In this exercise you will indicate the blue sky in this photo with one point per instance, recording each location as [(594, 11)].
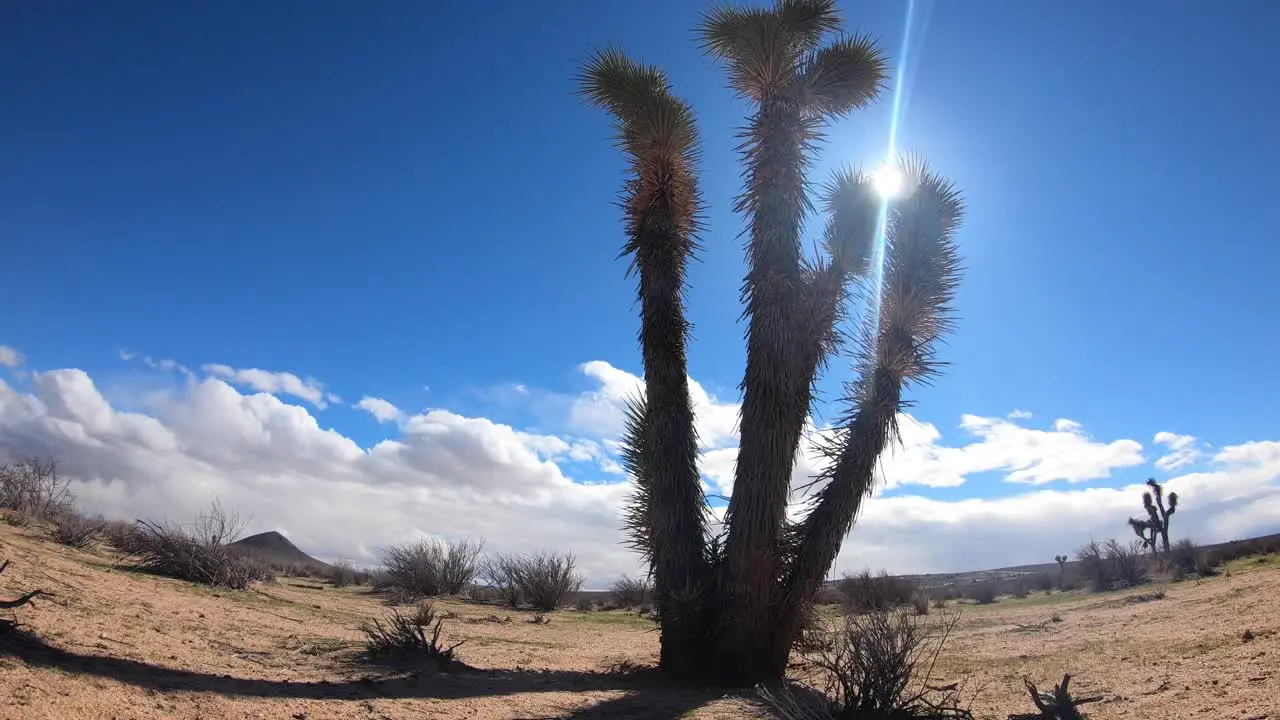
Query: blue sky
[(405, 201)]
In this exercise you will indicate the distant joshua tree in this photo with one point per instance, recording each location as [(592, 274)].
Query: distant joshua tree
[(1156, 526), (1062, 565)]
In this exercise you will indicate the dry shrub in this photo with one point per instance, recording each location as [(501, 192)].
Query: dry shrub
[(123, 536), (1112, 565), (71, 528), (814, 635), (502, 572), (34, 491), (199, 552), (984, 592), (404, 637), (879, 665), (631, 592), (544, 580), (866, 592), (1042, 581), (428, 568), (1186, 558), (549, 580), (341, 574), (920, 604)]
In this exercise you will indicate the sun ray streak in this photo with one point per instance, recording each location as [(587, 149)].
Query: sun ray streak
[(895, 116)]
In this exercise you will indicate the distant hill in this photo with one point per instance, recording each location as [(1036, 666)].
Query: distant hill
[(276, 549)]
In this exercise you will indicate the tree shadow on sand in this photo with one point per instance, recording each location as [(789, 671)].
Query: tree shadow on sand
[(647, 695)]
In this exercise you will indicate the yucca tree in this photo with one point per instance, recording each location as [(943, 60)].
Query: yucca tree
[(660, 202), (731, 602)]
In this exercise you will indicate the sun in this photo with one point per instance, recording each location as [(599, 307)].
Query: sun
[(887, 180)]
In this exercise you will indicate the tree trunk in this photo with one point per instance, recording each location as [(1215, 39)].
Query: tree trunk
[(776, 392), (662, 248)]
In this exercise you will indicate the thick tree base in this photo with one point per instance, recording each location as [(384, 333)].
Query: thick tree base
[(723, 664)]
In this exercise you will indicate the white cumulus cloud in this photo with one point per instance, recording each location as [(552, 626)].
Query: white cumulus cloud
[(276, 383), (9, 357), (382, 410), (1182, 450)]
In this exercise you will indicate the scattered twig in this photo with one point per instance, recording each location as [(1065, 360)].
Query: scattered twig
[(11, 604)]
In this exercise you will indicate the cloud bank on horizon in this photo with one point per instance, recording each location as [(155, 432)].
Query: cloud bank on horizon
[(237, 435)]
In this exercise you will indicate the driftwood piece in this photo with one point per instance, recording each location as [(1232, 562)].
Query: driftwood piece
[(1058, 705), (10, 604)]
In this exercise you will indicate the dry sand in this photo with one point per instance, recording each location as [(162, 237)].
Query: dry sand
[(123, 645)]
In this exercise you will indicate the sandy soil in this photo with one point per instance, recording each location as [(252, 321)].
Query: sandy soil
[(119, 644)]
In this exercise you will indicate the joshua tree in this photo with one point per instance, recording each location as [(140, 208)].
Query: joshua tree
[(731, 602), (1062, 565), (1156, 525)]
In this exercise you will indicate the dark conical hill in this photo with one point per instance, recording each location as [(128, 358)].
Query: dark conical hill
[(277, 550)]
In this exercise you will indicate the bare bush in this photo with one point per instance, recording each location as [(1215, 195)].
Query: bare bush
[(1042, 581), (1112, 565), (199, 552), (71, 528), (1186, 558), (503, 575), (428, 568), (341, 574), (544, 580), (404, 637), (878, 665), (123, 536), (920, 604), (33, 490), (631, 592), (984, 592), (549, 580), (866, 592)]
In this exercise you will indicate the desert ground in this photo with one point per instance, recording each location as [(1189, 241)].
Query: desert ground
[(112, 643)]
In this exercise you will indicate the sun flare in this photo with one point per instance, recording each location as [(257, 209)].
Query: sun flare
[(887, 180)]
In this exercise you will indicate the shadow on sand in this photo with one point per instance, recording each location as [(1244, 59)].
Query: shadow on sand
[(647, 695)]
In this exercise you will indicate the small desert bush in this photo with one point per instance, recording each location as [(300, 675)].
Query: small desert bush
[(1042, 581), (74, 529), (920, 604), (585, 605), (878, 665), (502, 572), (866, 592), (404, 637), (814, 635), (198, 552), (1186, 558), (983, 592), (1112, 564), (428, 568), (341, 574), (32, 489), (544, 580), (549, 580), (123, 536), (631, 592)]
